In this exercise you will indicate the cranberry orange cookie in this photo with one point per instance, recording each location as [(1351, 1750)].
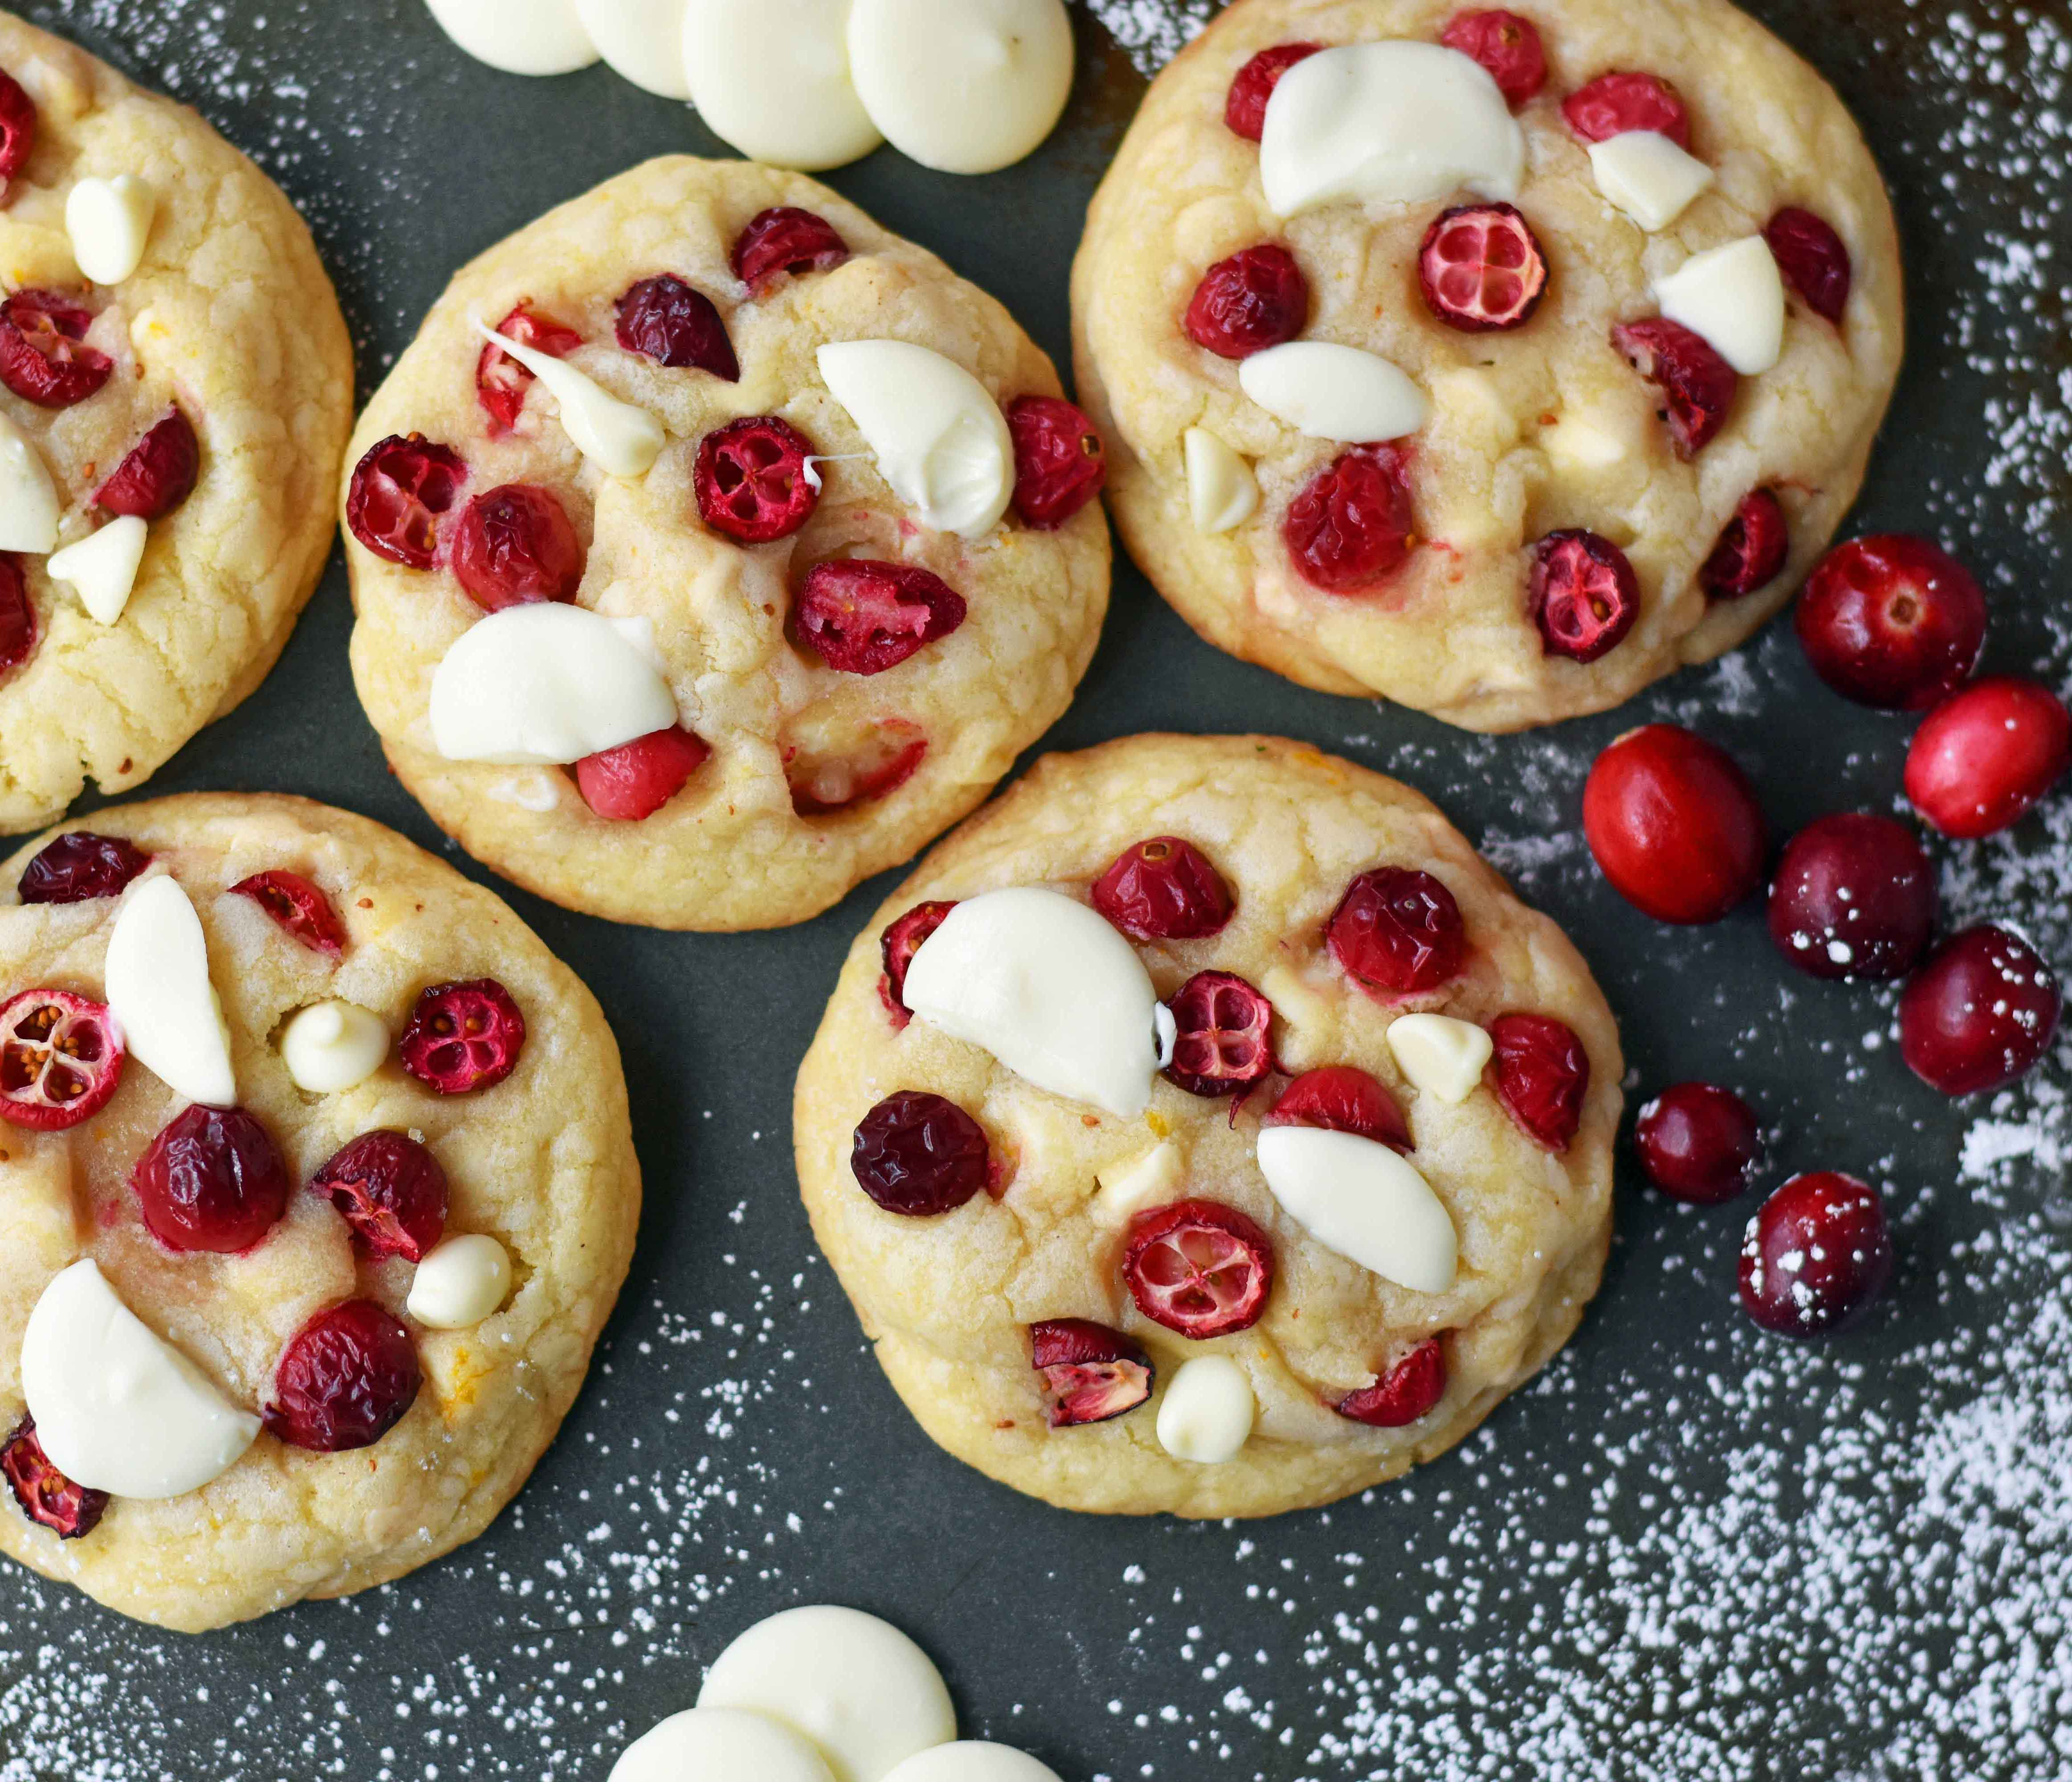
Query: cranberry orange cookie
[(1495, 363), (1205, 1127), (317, 1185), (175, 389), (713, 549)]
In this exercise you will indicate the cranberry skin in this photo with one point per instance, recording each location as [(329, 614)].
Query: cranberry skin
[(919, 1155), (1481, 268), (17, 618), (1614, 104), (1221, 1046), (1256, 299), (1697, 385), (1891, 621), (159, 473), (1582, 594), (1542, 1076), (1813, 260), (212, 1180), (1854, 897), (81, 864), (1406, 1392), (1673, 824), (1350, 527), (61, 1059), (500, 381), (863, 617), (785, 242), (399, 491), (1751, 551), (1163, 889), (896, 946), (392, 1191), (300, 907), (41, 358), (1090, 1373), (1244, 110), (1059, 461), (1815, 1255), (345, 1380), (1198, 1267), (18, 136), (1397, 932), (663, 319), (1507, 46), (463, 1036), (1979, 1014), (1341, 1098), (515, 545), (1985, 754), (750, 479), (1698, 1143), (47, 1498), (637, 778)]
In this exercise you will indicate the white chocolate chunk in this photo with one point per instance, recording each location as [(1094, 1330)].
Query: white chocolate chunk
[(461, 1281), (1147, 1179), (518, 36), (1206, 1414), (109, 222), (1359, 1197), (723, 1744), (772, 79), (101, 568), (1440, 1056), (334, 1046), (1734, 297), (1648, 176), (620, 438), (939, 439), (1330, 392), (641, 39), (157, 985), (1222, 491), (28, 497), (1576, 443), (972, 1760)]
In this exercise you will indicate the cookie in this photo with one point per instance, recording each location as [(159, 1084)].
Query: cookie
[(175, 391), (1367, 1194), (317, 1184), (1496, 363), (841, 525)]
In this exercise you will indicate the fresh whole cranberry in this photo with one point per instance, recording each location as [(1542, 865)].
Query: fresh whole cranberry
[(825, 787), (41, 358), (345, 1380), (1163, 889), (1198, 1267), (752, 481), (919, 1155), (462, 1036), (1244, 110), (18, 136), (1481, 268), (1979, 1012), (1854, 897), (1673, 824), (47, 1498), (1697, 385), (1405, 1392), (1343, 1098), (1542, 1076), (398, 492), (1582, 594), (1507, 46), (1090, 1373), (61, 1059), (1256, 298), (896, 946), (637, 778), (500, 381), (1813, 260), (863, 617), (159, 472), (1891, 621), (1223, 1045), (212, 1180), (1752, 549), (300, 907), (17, 618), (1815, 1255), (1059, 461), (785, 242), (515, 545), (1350, 528), (1987, 753), (1614, 104), (80, 865), (663, 319), (1698, 1143), (1397, 932), (392, 1191)]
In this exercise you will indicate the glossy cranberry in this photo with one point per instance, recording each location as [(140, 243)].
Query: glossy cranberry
[(1223, 1045), (637, 778), (1481, 268), (47, 1496), (1698, 1143), (392, 1191), (1854, 897), (1891, 621), (663, 319), (345, 1380), (398, 492), (1813, 260), (515, 545), (18, 133), (1507, 46), (1256, 299), (1350, 528), (500, 381), (1987, 753), (1979, 1012), (918, 1155), (1163, 889), (1751, 551), (864, 617), (1397, 933), (462, 1036), (61, 1059), (300, 907), (1582, 594), (159, 472), (1090, 1373), (1614, 104), (212, 1180), (1244, 108), (1406, 1392), (825, 787), (896, 946), (1198, 1267), (18, 617), (751, 479), (785, 242), (1542, 1074), (41, 358), (1697, 385), (1815, 1255), (80, 865), (1673, 824), (1059, 462), (1341, 1098)]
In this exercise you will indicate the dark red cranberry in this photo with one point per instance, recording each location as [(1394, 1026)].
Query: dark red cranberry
[(1697, 385), (637, 778), (399, 491), (1987, 753), (1244, 108), (462, 1036), (500, 381), (80, 865), (896, 946), (1751, 551), (825, 787), (1854, 897), (1979, 1012), (42, 360), (18, 136), (159, 472), (1891, 621), (1163, 889), (1059, 462), (300, 907), (1198, 1267), (18, 617), (1397, 932), (1256, 299), (864, 617), (392, 1191), (515, 545), (212, 1180), (1815, 1255), (1507, 46), (1814, 263), (1341, 1098), (663, 319), (61, 1059), (1582, 594), (345, 1380), (1481, 268), (1405, 1392), (1223, 1045), (1614, 104), (1673, 824), (1090, 1373), (918, 1155), (1542, 1074), (1350, 527), (785, 242), (751, 479), (47, 1498), (1698, 1143)]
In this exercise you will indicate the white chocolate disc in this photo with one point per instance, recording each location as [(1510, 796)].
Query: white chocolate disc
[(1359, 1197), (518, 36), (972, 1760), (719, 1745), (642, 40), (939, 438), (157, 982), (1330, 392), (331, 1047), (620, 438), (28, 497), (772, 78), (1734, 297)]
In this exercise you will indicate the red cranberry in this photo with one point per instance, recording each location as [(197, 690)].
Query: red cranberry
[(515, 545), (1244, 110), (345, 1380), (1397, 932), (1542, 1074), (80, 865), (1222, 1046), (1582, 595), (299, 906), (500, 381), (1341, 1098), (462, 1036), (1481, 268), (1814, 263), (1198, 1267), (1059, 462), (1673, 824), (1614, 104), (918, 1155), (826, 787), (212, 1180), (896, 946), (399, 491), (1090, 1373), (1854, 897), (752, 481), (1979, 1014), (47, 1498), (663, 319), (1815, 1255), (1256, 299), (864, 617), (1163, 889), (1406, 1392), (1891, 621), (785, 242), (637, 778), (61, 1059), (392, 1191), (18, 617), (1505, 45), (158, 473), (1751, 551), (41, 359), (1986, 754), (1697, 385), (1698, 1143), (18, 136), (1350, 527)]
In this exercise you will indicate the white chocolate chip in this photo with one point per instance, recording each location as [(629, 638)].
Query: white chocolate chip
[(109, 222), (1147, 1179), (1440, 1056), (1206, 1415), (1734, 297), (1330, 392), (334, 1046), (156, 976), (620, 438), (28, 497), (1647, 176), (460, 1282), (101, 568), (1222, 491), (939, 439), (1359, 1197)]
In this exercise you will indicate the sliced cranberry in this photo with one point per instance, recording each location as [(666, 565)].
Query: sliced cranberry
[(1198, 1267), (1891, 621), (1244, 108), (1163, 889), (1674, 824), (864, 617), (1698, 1143), (462, 1036), (918, 1155), (1406, 1392), (81, 864), (1222, 1046), (1854, 897), (1256, 299), (212, 1180), (1751, 551), (1090, 1373), (47, 1496), (785, 242), (1350, 528), (159, 472), (1397, 932), (663, 319), (18, 136), (299, 906), (1341, 1098), (896, 946), (1582, 594), (18, 617), (61, 1059), (500, 381), (41, 358), (823, 788), (1697, 385), (1815, 1255), (515, 545), (1505, 45), (751, 479), (1059, 462), (399, 491), (1614, 104), (1813, 260), (1542, 1074), (1987, 753), (1979, 1012), (345, 1380), (392, 1191), (637, 778), (1481, 268)]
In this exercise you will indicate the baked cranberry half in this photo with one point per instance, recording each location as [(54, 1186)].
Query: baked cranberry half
[(1697, 386), (919, 1155), (896, 946), (1813, 260), (1198, 1267), (1751, 550), (515, 545), (158, 473), (1059, 461), (500, 381), (1979, 1012), (43, 359), (18, 617), (392, 1191), (1163, 889), (1222, 1045), (1891, 621), (1090, 1373), (18, 133), (1986, 754), (1507, 46), (785, 242), (1406, 1392), (1815, 1255), (633, 781), (299, 906), (1256, 298), (47, 1498), (1397, 932), (80, 865), (1614, 104), (1674, 824), (1854, 897), (1582, 595), (863, 617), (462, 1037), (1350, 527), (399, 491), (1698, 1143), (1481, 268), (345, 1380), (751, 479), (61, 1059), (212, 1180), (1542, 1075), (663, 319), (1343, 1098)]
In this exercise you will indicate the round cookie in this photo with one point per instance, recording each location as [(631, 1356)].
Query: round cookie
[(1072, 1215), (1417, 578), (225, 349), (825, 726), (538, 1165)]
